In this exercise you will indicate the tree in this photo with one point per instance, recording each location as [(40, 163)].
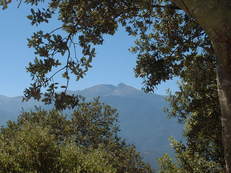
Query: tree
[(47, 141), (34, 149), (85, 23), (196, 105), (215, 18)]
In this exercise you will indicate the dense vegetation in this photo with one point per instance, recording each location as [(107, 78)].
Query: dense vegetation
[(196, 105), (47, 141)]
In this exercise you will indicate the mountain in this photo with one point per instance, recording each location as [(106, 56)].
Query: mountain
[(11, 107), (141, 116), (110, 90)]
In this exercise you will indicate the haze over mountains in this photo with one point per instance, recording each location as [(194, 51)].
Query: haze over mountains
[(141, 116)]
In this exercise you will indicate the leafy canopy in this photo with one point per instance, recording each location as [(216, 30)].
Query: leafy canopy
[(182, 47), (196, 105), (47, 141), (70, 48)]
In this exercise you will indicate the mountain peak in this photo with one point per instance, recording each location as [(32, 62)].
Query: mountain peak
[(110, 90), (122, 85)]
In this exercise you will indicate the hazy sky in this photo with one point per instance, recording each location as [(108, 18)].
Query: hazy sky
[(113, 64)]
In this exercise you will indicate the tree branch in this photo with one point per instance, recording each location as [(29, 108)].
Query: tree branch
[(19, 3), (166, 6)]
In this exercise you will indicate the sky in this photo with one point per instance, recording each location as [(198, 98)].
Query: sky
[(113, 63)]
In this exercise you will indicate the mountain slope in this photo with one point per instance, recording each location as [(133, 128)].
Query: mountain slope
[(141, 116), (142, 119)]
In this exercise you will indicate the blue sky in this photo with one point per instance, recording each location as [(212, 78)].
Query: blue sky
[(113, 64)]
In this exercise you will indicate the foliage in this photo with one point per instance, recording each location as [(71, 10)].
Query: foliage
[(187, 161), (83, 26), (196, 105), (34, 149), (47, 141), (167, 40), (167, 47), (177, 44)]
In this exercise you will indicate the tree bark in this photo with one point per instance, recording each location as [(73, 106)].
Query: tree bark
[(214, 16), (223, 51)]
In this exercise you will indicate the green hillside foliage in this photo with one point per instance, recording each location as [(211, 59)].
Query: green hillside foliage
[(87, 142), (141, 117)]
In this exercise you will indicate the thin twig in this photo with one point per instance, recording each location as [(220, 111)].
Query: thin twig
[(57, 72), (55, 29), (19, 3)]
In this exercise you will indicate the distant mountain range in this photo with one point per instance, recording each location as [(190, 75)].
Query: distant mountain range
[(142, 119)]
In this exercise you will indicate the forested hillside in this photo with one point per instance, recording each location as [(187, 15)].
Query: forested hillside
[(141, 117)]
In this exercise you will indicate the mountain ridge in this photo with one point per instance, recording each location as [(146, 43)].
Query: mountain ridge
[(142, 120)]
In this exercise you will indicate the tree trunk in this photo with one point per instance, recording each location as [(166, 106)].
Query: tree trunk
[(214, 16), (223, 51)]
